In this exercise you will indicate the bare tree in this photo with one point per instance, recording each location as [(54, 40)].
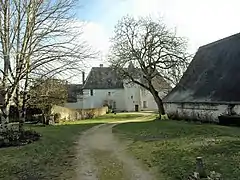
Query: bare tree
[(37, 38), (151, 51)]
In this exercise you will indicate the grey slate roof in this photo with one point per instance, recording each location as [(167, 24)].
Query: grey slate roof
[(213, 75), (74, 90), (103, 78)]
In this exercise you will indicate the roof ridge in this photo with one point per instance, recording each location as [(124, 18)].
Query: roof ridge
[(220, 41), (211, 81)]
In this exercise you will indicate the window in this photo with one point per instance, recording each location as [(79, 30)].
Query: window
[(131, 97), (144, 104), (91, 92), (109, 93)]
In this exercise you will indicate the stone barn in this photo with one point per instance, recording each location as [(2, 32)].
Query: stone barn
[(211, 85)]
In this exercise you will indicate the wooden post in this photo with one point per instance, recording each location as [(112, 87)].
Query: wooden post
[(199, 168)]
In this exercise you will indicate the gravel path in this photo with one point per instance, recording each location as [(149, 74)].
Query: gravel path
[(101, 156)]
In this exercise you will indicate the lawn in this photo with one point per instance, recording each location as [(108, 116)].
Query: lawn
[(171, 147), (52, 157)]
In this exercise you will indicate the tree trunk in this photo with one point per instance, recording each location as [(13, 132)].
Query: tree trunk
[(46, 113), (158, 100), (22, 114), (22, 117), (43, 118), (18, 104), (4, 118)]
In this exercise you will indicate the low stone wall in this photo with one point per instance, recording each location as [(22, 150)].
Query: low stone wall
[(95, 112), (198, 111), (77, 114)]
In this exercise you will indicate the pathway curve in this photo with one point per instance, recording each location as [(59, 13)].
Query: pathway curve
[(101, 156)]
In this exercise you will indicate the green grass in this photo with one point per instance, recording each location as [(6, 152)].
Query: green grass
[(52, 157), (109, 168), (108, 118), (171, 147)]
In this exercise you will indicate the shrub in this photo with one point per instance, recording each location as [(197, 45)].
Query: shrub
[(57, 117), (90, 115), (15, 138)]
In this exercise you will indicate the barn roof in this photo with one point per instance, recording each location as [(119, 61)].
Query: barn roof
[(213, 75)]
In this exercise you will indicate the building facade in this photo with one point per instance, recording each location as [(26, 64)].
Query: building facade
[(103, 87)]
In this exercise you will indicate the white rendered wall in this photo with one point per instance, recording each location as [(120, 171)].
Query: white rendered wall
[(132, 97), (101, 95), (199, 111)]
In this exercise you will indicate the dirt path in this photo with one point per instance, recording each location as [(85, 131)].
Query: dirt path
[(101, 156)]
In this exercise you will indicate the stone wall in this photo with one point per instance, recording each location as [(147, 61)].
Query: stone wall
[(95, 111), (198, 111), (77, 114)]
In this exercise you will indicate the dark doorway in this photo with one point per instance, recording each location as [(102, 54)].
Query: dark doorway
[(136, 108)]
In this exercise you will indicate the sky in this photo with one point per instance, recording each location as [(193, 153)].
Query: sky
[(200, 21)]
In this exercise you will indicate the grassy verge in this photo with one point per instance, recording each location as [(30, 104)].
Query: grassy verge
[(109, 118), (171, 147), (52, 157)]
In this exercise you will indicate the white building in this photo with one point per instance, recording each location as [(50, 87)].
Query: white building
[(104, 87)]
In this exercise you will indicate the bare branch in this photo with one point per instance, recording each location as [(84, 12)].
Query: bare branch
[(144, 51), (38, 37)]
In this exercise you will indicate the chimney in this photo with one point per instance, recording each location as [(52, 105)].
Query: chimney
[(83, 77), (101, 65)]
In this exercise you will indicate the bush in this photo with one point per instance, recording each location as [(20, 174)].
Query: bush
[(57, 117), (15, 138), (90, 115), (30, 135), (34, 119)]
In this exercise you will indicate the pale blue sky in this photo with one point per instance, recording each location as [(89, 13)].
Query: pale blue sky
[(105, 13), (201, 21)]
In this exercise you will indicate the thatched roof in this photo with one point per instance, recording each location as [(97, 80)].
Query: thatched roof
[(213, 75)]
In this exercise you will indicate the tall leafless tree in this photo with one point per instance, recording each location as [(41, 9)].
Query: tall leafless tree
[(151, 51), (37, 37)]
